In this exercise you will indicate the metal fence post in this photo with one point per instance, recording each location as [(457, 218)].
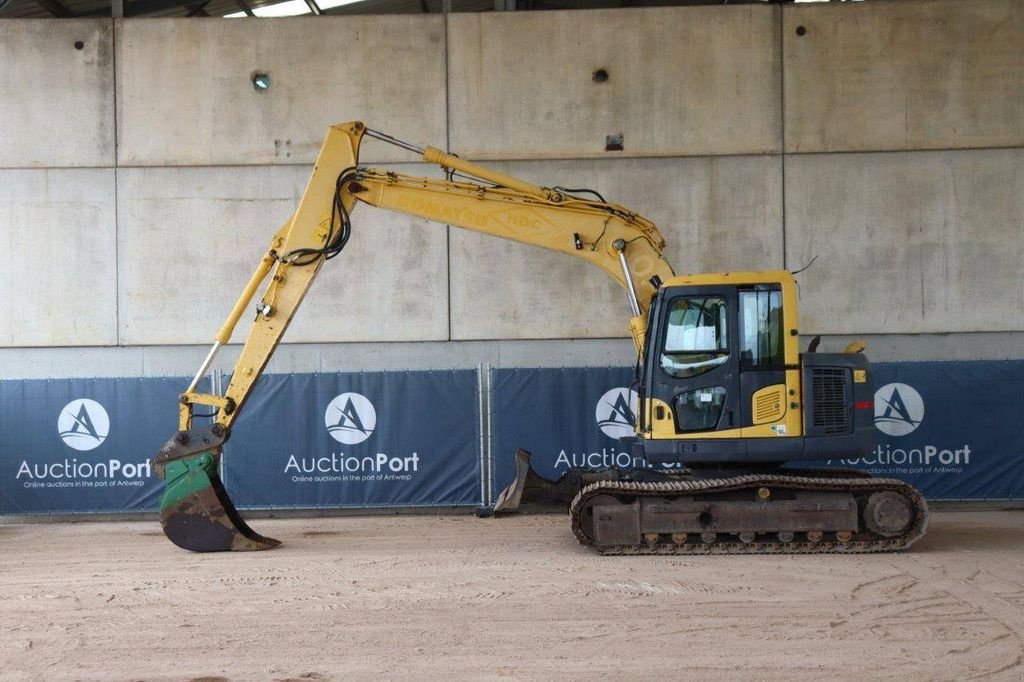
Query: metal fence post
[(490, 436), (481, 426)]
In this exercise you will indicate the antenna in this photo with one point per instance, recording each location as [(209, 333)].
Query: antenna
[(797, 272)]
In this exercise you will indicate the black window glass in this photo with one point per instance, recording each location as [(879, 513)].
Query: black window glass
[(696, 336), (699, 410), (761, 328)]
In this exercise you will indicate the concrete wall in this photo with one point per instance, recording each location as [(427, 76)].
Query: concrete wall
[(185, 94), (698, 80), (59, 270), (142, 175), (930, 242), (56, 99), (189, 240), (904, 75)]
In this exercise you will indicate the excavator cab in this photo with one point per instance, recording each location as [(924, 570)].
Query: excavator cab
[(728, 405), (724, 383)]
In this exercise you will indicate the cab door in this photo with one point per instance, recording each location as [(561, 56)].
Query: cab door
[(694, 364), (762, 368)]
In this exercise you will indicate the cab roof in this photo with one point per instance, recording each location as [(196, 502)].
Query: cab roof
[(782, 277)]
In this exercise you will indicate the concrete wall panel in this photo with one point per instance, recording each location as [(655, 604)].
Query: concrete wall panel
[(185, 93), (56, 101), (932, 74), (681, 81), (77, 362), (190, 239), (908, 242), (58, 276), (717, 214)]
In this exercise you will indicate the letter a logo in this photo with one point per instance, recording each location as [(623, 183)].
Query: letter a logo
[(899, 409), (350, 418), (83, 424), (616, 412)]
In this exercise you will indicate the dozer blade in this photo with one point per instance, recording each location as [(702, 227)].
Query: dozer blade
[(533, 493), (529, 492), (196, 512)]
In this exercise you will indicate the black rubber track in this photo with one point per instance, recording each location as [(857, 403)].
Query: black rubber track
[(863, 542)]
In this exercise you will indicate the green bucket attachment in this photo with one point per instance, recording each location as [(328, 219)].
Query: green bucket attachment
[(196, 512)]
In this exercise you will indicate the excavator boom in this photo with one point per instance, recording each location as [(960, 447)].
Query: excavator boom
[(196, 511)]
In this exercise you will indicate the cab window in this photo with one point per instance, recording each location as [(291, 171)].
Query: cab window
[(696, 336), (761, 343)]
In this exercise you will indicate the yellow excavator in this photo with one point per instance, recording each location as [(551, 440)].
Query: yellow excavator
[(725, 396)]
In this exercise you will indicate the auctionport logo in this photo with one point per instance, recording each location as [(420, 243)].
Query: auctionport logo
[(83, 424), (616, 412), (350, 418), (899, 409)]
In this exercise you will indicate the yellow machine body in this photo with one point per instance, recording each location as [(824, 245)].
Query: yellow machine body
[(197, 513)]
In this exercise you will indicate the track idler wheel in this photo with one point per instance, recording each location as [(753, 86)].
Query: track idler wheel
[(888, 513)]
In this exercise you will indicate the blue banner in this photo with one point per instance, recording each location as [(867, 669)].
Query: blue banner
[(951, 429), (565, 418), (401, 439), (412, 438), (83, 445)]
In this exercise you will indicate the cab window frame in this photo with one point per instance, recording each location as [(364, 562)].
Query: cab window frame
[(724, 351), (776, 361)]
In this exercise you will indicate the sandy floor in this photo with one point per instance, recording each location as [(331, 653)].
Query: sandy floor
[(405, 597)]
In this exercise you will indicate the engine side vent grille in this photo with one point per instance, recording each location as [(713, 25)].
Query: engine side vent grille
[(829, 396), (768, 405)]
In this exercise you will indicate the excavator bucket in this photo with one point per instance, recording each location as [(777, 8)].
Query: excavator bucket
[(196, 512)]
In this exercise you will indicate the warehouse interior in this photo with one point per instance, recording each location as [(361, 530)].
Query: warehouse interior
[(756, 155), (150, 150)]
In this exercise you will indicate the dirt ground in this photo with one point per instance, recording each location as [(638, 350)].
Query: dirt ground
[(421, 596)]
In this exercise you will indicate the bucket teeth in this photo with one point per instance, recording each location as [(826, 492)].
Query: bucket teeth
[(196, 512)]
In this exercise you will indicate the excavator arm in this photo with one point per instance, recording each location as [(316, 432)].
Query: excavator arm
[(196, 512), (625, 245)]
